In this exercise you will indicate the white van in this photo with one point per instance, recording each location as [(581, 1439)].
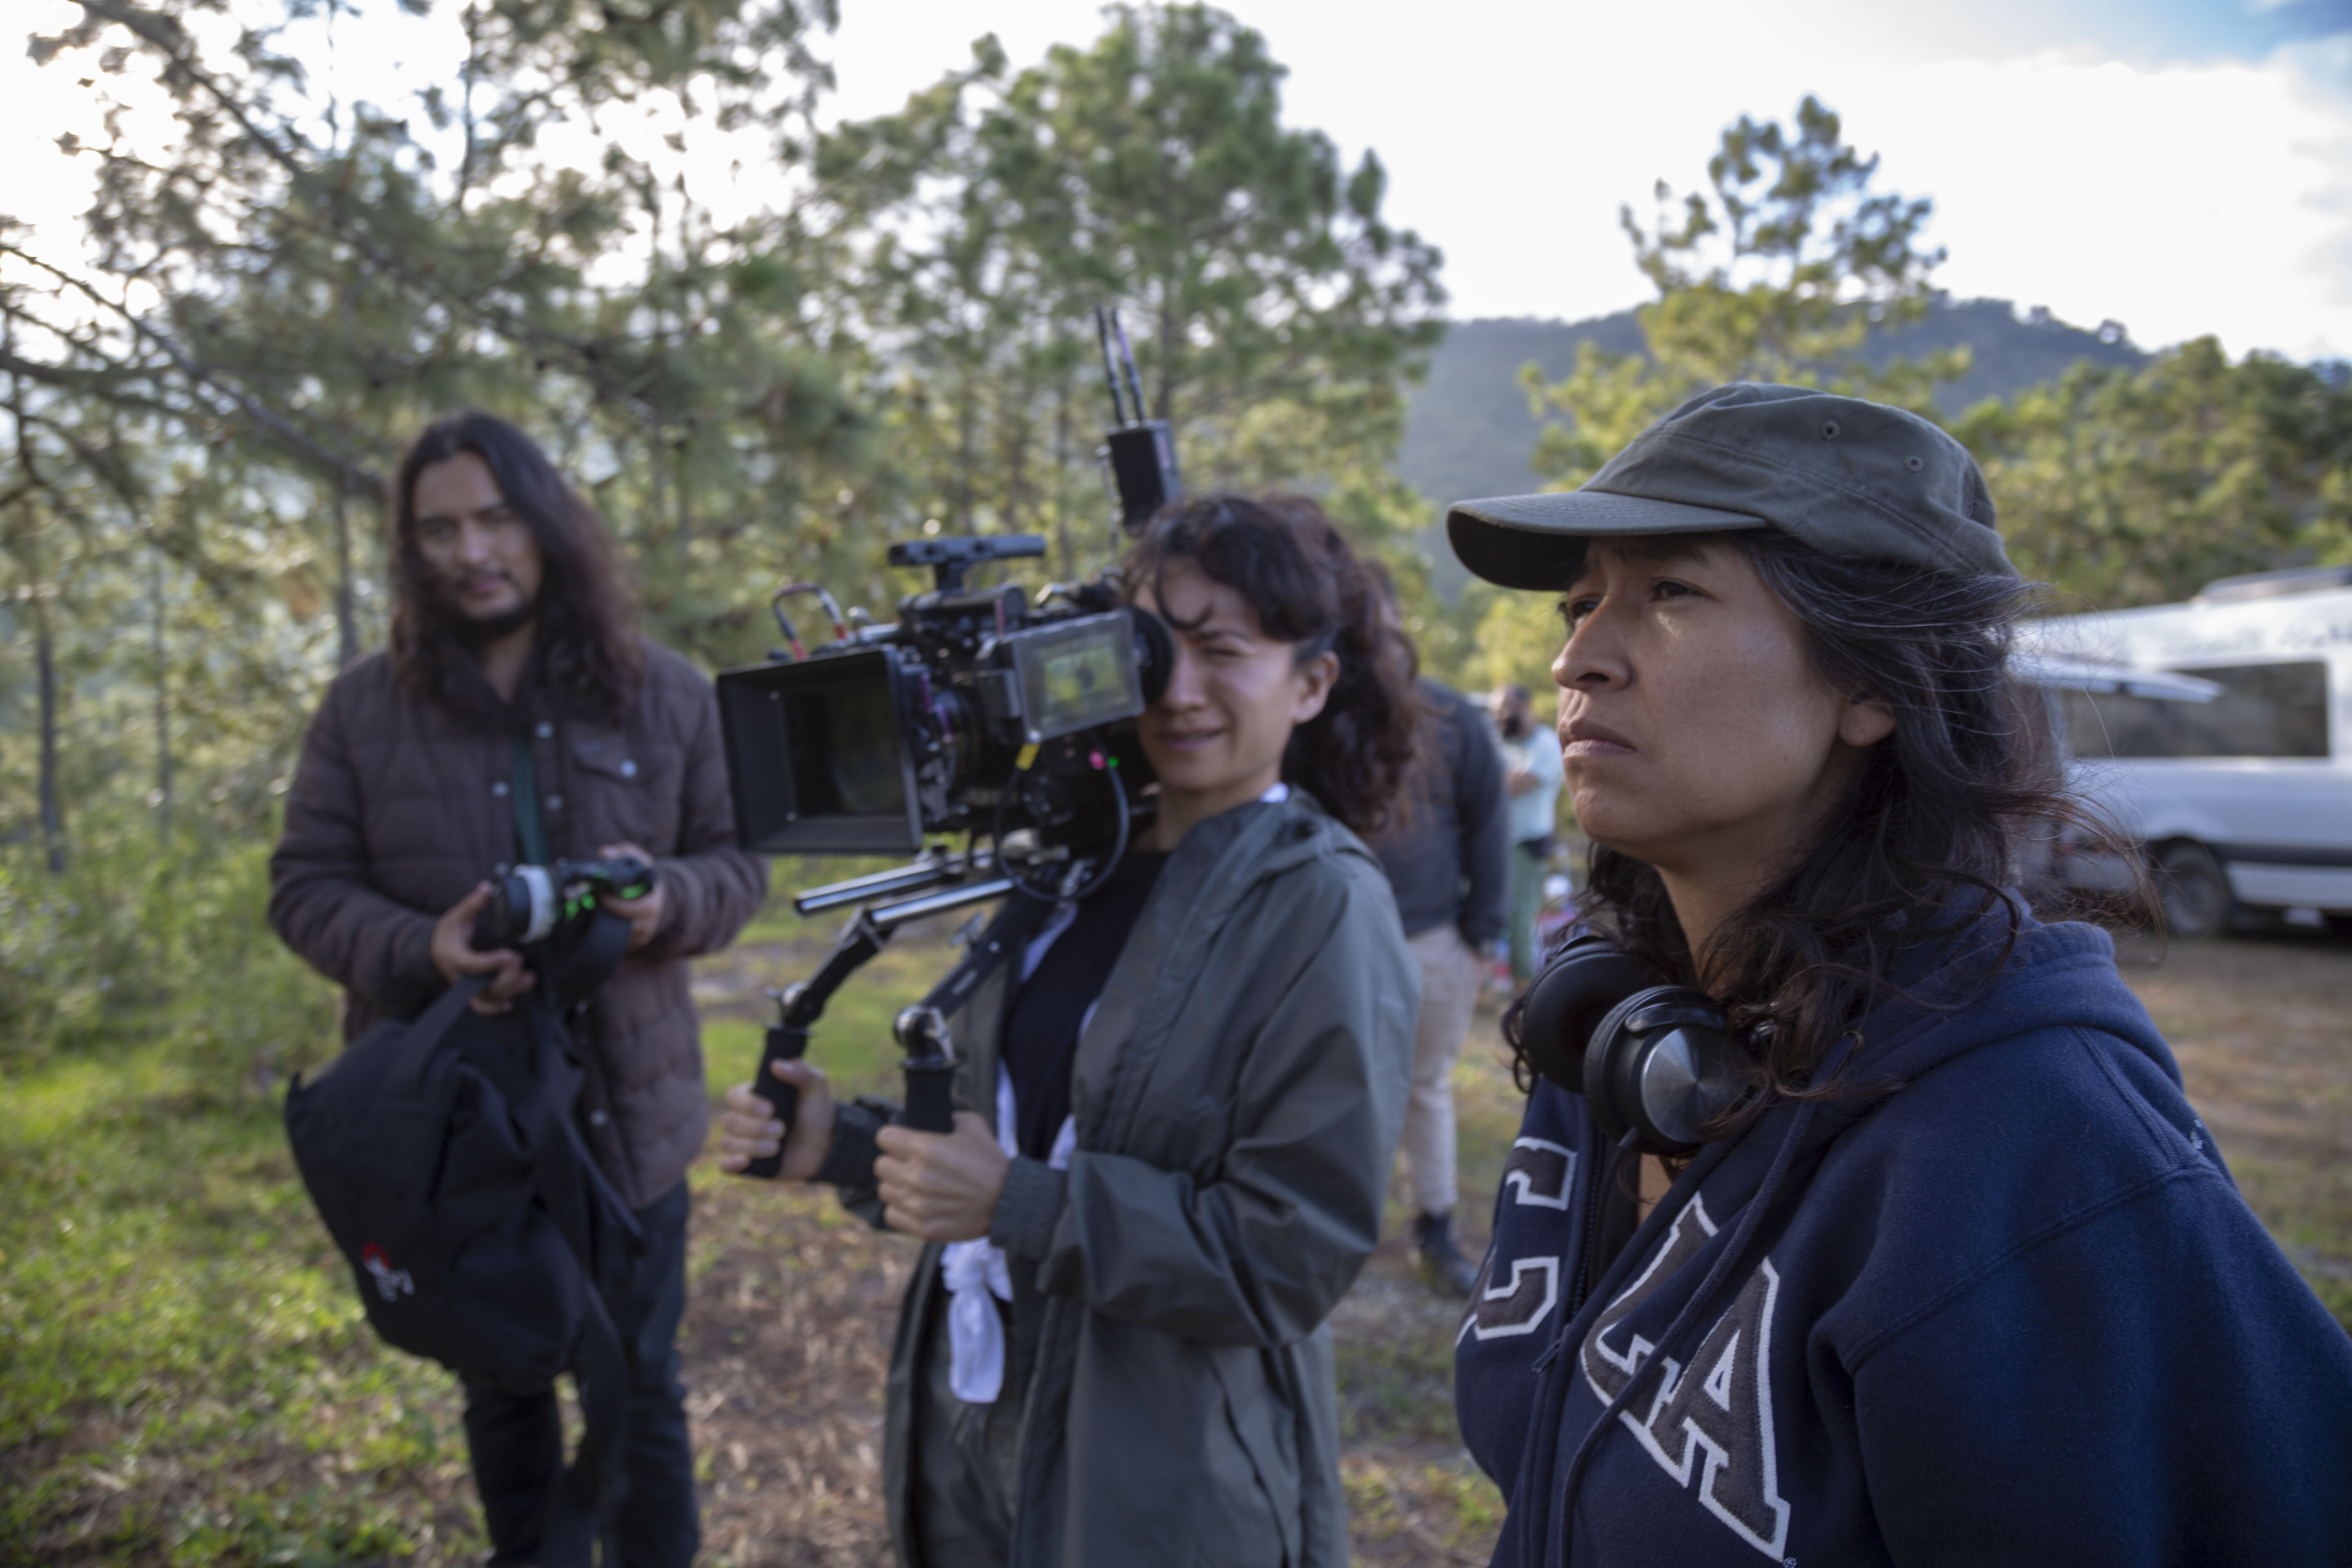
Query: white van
[(2218, 733)]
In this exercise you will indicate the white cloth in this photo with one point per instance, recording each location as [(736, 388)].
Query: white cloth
[(975, 1270)]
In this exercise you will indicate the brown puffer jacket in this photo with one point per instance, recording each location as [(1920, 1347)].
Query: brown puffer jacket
[(398, 808)]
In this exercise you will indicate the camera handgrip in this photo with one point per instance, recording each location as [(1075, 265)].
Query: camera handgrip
[(785, 1044), (931, 1094)]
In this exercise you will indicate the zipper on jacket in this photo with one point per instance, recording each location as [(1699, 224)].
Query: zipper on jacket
[(1589, 1244)]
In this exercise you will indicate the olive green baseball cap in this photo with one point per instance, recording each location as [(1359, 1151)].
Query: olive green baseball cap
[(1853, 478)]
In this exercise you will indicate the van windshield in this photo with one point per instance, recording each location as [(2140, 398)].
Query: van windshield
[(2263, 711)]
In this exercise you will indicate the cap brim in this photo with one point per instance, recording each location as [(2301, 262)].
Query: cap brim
[(1538, 542)]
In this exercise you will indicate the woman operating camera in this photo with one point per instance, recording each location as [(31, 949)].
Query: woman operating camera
[(1938, 1266), (1188, 1092)]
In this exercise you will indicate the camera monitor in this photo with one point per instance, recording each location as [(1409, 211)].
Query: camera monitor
[(1076, 675), (814, 757)]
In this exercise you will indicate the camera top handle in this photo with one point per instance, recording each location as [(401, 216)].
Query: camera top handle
[(951, 557)]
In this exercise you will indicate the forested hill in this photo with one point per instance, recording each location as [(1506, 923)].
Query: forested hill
[(1469, 432)]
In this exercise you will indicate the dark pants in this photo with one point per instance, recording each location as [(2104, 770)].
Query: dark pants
[(966, 1460), (516, 1440)]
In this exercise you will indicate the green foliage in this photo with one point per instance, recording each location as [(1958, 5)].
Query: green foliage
[(138, 938), (2138, 487), (282, 286), (45, 986), (1274, 313), (1779, 272), (321, 287), (169, 1304)]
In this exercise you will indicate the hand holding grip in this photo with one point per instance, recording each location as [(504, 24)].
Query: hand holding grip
[(931, 1070), (930, 1094), (784, 1044)]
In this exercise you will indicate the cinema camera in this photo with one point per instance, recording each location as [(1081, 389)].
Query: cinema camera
[(978, 712)]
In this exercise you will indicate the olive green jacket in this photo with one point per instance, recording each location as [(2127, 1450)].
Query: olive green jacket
[(1238, 1095)]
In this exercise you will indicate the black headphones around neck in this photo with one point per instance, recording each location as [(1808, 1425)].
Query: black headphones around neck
[(1653, 1060)]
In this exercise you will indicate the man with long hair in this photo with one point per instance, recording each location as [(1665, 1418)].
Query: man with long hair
[(519, 716)]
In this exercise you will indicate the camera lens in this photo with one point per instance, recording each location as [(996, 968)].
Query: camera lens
[(521, 910)]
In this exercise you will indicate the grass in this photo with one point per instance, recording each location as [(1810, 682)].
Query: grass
[(185, 1377), (186, 1374)]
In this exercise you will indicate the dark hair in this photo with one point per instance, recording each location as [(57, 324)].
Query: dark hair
[(590, 658), (1942, 823), (1307, 587)]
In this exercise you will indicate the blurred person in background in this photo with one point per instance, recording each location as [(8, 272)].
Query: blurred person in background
[(519, 716), (1531, 777), (1182, 1107), (1446, 859)]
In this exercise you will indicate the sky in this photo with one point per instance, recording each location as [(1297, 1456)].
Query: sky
[(2181, 166)]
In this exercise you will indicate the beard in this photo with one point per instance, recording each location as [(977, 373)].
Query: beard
[(476, 631), (1514, 726)]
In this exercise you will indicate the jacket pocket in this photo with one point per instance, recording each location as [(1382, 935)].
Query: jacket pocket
[(629, 789)]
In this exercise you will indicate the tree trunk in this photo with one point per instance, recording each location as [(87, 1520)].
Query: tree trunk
[(967, 419), (346, 633), (466, 106), (1165, 405), (1061, 482), (163, 708), (1016, 463), (657, 506), (53, 821)]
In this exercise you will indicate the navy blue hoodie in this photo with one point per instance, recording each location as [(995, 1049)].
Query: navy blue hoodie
[(2013, 1312)]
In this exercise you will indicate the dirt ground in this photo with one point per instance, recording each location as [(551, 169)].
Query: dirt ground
[(2263, 1028), (793, 1304)]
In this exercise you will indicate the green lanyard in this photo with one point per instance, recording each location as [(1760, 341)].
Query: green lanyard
[(530, 835)]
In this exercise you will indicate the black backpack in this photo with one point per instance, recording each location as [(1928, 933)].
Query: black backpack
[(444, 1160)]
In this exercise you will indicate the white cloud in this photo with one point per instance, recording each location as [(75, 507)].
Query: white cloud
[(2177, 199)]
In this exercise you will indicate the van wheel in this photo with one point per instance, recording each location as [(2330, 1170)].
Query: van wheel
[(2194, 891)]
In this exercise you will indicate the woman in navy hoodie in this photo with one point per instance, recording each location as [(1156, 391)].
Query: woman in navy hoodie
[(1940, 1267)]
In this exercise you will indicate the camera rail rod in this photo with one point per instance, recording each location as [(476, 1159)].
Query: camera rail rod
[(935, 869)]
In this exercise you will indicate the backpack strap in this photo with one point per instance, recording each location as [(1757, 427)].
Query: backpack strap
[(424, 1036), (567, 1177), (589, 963), (575, 1503)]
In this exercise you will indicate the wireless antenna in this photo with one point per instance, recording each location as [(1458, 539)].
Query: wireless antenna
[(1127, 361), (1142, 452), (1103, 317)]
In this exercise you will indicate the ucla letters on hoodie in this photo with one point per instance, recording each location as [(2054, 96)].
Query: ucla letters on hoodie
[(2014, 1311)]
